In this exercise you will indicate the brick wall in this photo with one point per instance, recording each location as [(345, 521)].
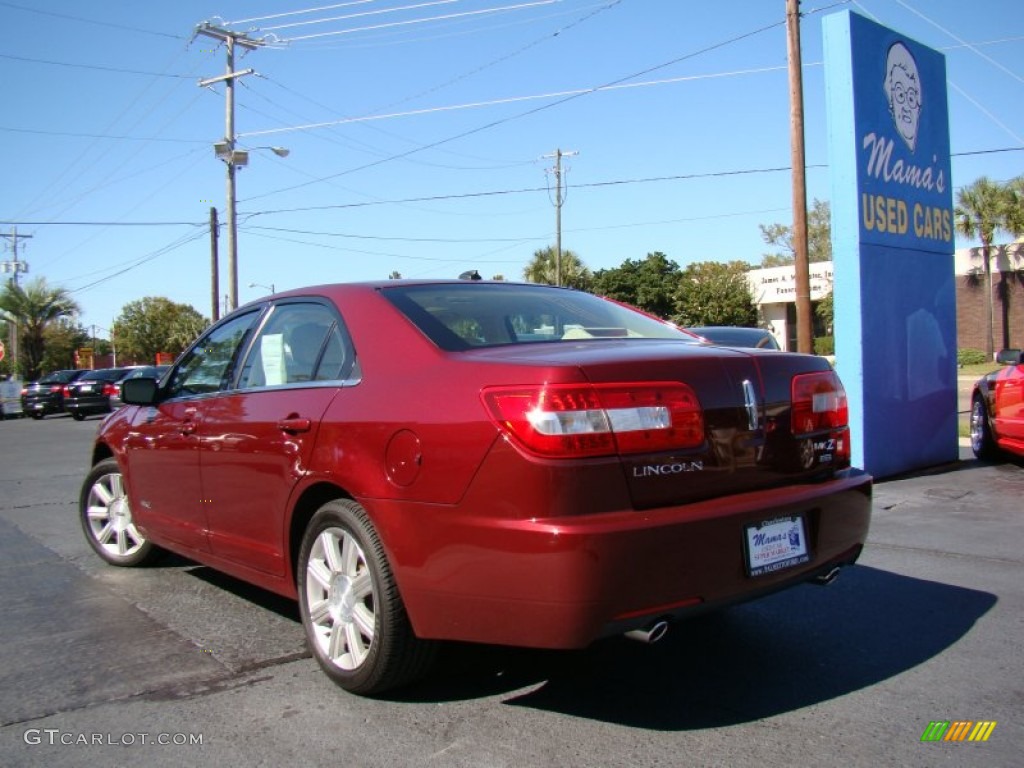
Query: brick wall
[(1007, 319)]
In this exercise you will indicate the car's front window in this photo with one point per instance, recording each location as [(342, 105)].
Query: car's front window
[(209, 365), (461, 316)]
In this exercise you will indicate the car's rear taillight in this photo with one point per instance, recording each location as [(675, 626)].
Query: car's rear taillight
[(109, 389), (55, 389), (66, 391), (572, 420), (819, 403)]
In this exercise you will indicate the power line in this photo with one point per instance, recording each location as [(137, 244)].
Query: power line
[(116, 137), (77, 65), (93, 21), (408, 22), (535, 110), (460, 196)]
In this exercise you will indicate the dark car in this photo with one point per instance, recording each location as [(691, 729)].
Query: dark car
[(135, 372), (478, 461), (90, 393), (997, 409), (46, 396), (735, 336)]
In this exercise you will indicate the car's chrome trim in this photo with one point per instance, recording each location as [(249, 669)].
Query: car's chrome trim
[(750, 403)]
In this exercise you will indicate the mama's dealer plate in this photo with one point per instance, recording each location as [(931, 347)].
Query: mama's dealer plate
[(773, 545)]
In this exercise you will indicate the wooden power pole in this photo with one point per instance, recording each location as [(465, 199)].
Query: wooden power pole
[(805, 341)]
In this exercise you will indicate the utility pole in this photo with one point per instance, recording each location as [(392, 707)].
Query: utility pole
[(214, 269), (226, 150), (796, 112), (558, 154), (16, 268)]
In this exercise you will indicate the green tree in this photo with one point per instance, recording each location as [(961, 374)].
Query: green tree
[(819, 237), (35, 307), (541, 269), (649, 284), (983, 208), (715, 293), (61, 339), (1015, 213), (155, 324)]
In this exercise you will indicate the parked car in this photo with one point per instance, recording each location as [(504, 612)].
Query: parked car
[(135, 372), (421, 461), (997, 409), (90, 393), (735, 336), (10, 398), (46, 396)]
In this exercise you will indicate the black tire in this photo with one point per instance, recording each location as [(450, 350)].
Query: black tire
[(982, 442), (78, 416), (355, 621), (38, 416), (106, 518)]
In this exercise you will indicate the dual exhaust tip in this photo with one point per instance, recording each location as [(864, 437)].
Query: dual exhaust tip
[(655, 631)]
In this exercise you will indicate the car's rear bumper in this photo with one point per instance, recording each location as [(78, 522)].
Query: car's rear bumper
[(41, 406), (562, 583), (87, 405)]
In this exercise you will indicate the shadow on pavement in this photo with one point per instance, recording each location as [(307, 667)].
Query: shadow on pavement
[(786, 652)]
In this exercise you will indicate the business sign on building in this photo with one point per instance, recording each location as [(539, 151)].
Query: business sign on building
[(777, 285), (892, 244)]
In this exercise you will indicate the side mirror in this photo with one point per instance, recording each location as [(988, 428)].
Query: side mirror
[(1010, 357), (140, 391)]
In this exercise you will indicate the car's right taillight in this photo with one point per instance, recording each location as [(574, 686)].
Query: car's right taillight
[(577, 420), (819, 403), (66, 390), (819, 408)]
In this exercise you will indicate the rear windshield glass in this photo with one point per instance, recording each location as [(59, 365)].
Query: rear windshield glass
[(463, 316)]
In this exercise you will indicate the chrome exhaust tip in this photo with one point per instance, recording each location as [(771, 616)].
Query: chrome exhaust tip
[(826, 578), (649, 634)]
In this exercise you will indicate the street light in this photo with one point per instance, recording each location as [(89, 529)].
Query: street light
[(261, 285), (235, 158)]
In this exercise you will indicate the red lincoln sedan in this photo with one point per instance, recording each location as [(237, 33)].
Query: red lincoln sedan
[(997, 409), (518, 464)]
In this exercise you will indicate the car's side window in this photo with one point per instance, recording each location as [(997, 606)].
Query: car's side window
[(209, 366), (293, 341)]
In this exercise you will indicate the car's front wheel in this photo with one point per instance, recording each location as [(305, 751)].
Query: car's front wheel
[(354, 617), (107, 518), (982, 442)]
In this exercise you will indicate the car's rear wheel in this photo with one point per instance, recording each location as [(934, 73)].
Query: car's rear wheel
[(354, 617), (982, 442), (107, 518), (37, 416), (78, 415)]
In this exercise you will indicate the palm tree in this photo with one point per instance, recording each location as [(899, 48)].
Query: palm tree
[(543, 269), (34, 308), (982, 208)]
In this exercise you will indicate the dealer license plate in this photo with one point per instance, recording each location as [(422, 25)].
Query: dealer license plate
[(776, 544)]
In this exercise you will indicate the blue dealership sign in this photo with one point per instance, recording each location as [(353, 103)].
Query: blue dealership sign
[(893, 242)]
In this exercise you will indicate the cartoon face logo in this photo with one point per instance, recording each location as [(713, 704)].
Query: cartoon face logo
[(903, 91)]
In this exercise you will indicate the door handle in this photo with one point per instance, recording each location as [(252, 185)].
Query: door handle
[(294, 424), (188, 424)]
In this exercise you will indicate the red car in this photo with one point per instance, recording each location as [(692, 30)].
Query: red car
[(478, 461), (997, 409)]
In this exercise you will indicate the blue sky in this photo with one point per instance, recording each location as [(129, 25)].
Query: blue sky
[(439, 116)]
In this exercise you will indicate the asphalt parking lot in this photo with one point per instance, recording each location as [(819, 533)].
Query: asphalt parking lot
[(98, 663)]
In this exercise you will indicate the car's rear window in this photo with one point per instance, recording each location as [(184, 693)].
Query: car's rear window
[(58, 377), (104, 374), (463, 316)]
